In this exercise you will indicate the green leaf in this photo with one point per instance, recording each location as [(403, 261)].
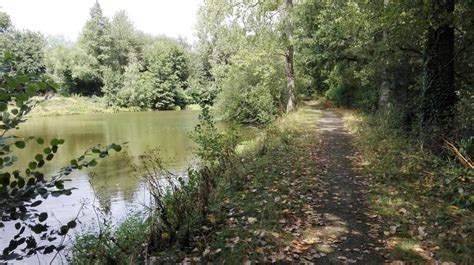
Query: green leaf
[(40, 140), (3, 106), (116, 147), (39, 157), (39, 228), (36, 203), (95, 150), (55, 142), (43, 216), (72, 224), (92, 163), (32, 165), (20, 144), (5, 178), (63, 230), (49, 249), (59, 185)]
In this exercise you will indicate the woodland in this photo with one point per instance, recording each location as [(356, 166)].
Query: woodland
[(365, 115)]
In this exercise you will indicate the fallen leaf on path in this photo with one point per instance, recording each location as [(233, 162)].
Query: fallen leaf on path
[(206, 251), (402, 211)]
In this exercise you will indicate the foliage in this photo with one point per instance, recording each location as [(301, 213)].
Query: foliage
[(157, 84), (252, 89), (126, 66), (240, 51), (95, 37), (74, 70), (430, 189), (167, 67), (22, 51), (355, 50), (5, 22), (120, 245)]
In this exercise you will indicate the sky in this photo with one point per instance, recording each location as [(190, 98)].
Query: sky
[(173, 18)]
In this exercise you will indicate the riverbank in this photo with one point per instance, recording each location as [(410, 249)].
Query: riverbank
[(76, 105), (304, 191)]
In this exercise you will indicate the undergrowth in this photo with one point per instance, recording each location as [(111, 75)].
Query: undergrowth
[(425, 199)]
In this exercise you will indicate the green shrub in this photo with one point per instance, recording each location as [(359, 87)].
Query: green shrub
[(115, 245), (252, 90)]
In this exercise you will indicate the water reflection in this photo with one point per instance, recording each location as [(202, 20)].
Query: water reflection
[(112, 177), (112, 185)]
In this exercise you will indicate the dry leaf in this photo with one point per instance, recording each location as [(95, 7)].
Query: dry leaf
[(206, 251)]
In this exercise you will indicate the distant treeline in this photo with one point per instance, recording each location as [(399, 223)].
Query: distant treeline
[(111, 58)]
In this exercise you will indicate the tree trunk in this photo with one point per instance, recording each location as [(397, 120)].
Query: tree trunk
[(384, 89), (289, 56), (439, 96)]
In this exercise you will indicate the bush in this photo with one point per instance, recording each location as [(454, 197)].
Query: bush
[(253, 88), (346, 90), (120, 245)]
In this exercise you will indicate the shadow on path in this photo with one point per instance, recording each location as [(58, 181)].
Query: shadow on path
[(348, 230)]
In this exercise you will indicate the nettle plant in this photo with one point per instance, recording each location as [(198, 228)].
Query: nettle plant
[(22, 190)]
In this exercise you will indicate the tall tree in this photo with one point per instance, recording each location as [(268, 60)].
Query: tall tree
[(124, 41), (95, 36), (384, 90), (289, 58), (439, 95)]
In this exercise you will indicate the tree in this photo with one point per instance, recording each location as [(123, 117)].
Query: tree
[(95, 38), (95, 41), (168, 72), (289, 57), (124, 41), (243, 46), (439, 94), (5, 22), (384, 90), (25, 51)]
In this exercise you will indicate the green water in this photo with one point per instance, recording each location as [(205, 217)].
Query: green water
[(113, 185)]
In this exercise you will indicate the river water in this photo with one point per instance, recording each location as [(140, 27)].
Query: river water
[(111, 185)]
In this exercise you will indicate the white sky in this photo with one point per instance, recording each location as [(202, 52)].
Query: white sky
[(66, 17)]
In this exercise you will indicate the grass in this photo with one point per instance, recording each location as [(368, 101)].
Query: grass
[(427, 198), (247, 220), (74, 105)]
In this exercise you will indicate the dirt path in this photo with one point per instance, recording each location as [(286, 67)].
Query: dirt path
[(350, 231)]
